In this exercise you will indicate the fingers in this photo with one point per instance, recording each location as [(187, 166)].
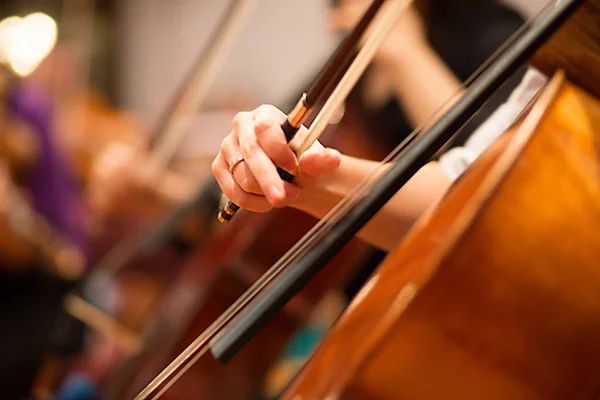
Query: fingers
[(234, 191), (259, 163), (267, 127), (258, 139), (230, 151)]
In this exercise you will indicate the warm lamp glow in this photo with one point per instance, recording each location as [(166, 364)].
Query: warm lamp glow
[(8, 27), (25, 42)]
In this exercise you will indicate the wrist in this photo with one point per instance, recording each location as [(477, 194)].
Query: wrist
[(315, 200)]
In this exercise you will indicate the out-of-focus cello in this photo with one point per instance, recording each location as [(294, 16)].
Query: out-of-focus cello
[(131, 207)]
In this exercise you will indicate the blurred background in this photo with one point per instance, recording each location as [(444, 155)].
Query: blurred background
[(111, 259)]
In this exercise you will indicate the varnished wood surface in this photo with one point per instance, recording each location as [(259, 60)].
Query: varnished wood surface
[(495, 294), (575, 48)]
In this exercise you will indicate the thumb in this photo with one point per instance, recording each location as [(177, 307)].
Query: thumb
[(318, 161)]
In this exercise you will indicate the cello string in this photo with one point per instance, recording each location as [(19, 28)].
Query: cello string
[(195, 350)]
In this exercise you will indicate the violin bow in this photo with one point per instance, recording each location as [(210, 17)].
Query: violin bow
[(322, 87), (344, 68), (171, 127), (169, 130)]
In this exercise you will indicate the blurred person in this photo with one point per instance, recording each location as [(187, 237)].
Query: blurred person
[(31, 297)]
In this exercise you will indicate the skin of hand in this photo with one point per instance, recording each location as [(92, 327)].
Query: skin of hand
[(324, 177), (254, 183)]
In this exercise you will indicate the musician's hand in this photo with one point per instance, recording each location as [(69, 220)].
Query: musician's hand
[(253, 183), (407, 35)]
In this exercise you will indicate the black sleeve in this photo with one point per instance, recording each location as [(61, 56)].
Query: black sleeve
[(466, 39)]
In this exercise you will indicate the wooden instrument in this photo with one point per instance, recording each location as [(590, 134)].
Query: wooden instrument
[(464, 310), (212, 278), (128, 193)]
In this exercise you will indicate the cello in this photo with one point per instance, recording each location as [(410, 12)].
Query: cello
[(581, 305), (463, 310), (460, 309)]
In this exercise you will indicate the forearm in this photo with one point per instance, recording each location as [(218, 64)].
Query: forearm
[(422, 82), (392, 222)]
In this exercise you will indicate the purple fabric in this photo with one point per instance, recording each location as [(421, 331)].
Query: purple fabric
[(53, 189)]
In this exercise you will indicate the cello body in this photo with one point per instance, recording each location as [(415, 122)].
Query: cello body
[(494, 293)]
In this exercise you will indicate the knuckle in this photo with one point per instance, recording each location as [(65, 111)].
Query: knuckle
[(266, 110), (239, 118), (272, 110), (225, 144), (265, 117), (262, 108), (249, 147)]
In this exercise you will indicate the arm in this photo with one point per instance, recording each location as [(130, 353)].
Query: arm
[(421, 82), (405, 65), (325, 177), (394, 220)]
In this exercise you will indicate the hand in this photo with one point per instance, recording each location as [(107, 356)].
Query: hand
[(407, 35), (254, 183)]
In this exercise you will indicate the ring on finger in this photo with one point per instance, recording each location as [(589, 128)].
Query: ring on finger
[(234, 163)]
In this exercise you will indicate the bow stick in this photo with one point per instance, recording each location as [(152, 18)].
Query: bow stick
[(329, 76), (193, 92)]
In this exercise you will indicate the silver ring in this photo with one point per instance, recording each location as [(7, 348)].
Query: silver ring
[(234, 163)]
